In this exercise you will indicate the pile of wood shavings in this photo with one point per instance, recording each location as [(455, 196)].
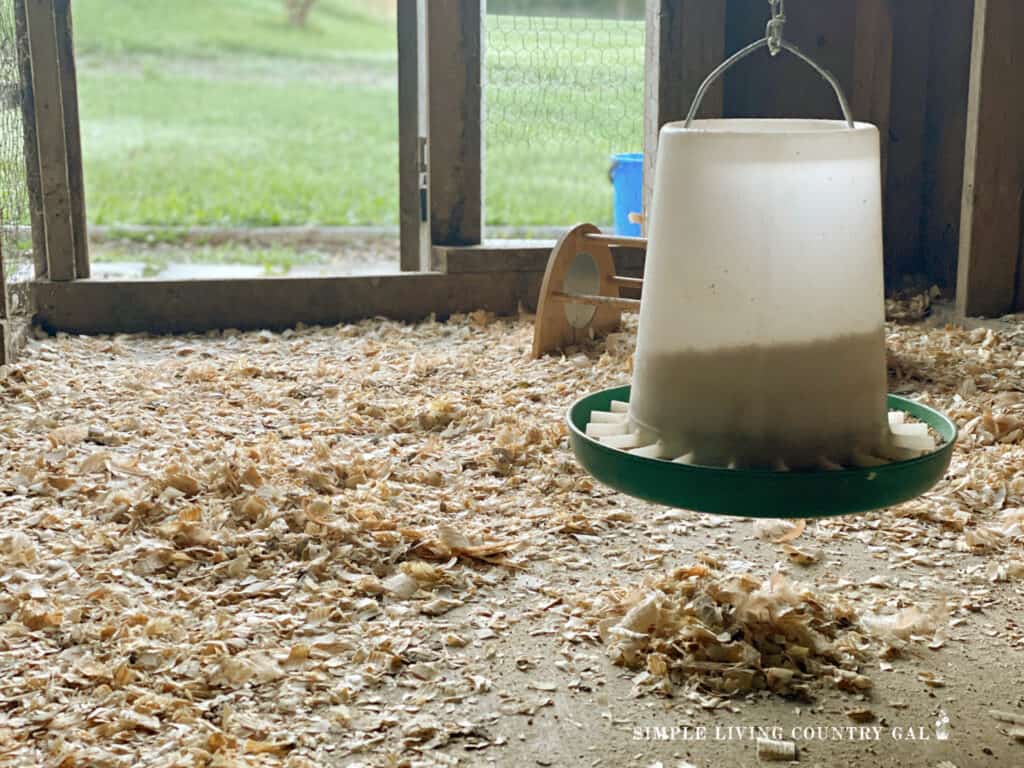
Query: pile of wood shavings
[(910, 305), (289, 549), (733, 633)]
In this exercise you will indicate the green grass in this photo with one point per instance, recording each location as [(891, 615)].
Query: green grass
[(197, 112), (222, 113), (237, 153), (216, 27)]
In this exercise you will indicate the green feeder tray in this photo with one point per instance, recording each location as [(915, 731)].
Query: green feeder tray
[(760, 493)]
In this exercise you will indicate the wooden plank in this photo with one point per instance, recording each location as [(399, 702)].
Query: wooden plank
[(455, 147), (415, 229), (72, 133), (989, 279), (50, 141), (513, 256), (904, 178), (28, 118), (179, 306), (945, 134), (493, 256), (685, 41)]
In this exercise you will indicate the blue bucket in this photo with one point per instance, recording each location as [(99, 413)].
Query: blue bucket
[(627, 175)]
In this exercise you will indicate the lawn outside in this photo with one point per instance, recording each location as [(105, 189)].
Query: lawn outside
[(224, 114)]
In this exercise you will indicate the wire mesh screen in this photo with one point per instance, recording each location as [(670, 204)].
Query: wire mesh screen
[(15, 227), (562, 94)]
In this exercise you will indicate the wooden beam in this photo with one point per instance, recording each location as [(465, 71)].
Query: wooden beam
[(455, 147), (412, 132), (72, 133), (685, 41), (31, 146), (499, 256), (500, 278), (520, 256), (945, 134), (989, 278), (50, 140), (179, 306)]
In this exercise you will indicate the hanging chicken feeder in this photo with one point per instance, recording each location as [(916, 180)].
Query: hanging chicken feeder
[(759, 383)]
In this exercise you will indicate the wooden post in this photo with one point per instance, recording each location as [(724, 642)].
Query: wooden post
[(50, 140), (685, 41), (31, 147), (412, 132), (455, 148), (990, 276), (3, 296), (72, 134)]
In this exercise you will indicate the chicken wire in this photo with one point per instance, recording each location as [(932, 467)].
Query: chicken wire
[(561, 95), (15, 226)]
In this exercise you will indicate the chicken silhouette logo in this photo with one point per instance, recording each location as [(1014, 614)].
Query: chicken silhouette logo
[(942, 726)]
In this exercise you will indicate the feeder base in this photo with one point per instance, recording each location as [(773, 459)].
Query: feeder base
[(760, 493)]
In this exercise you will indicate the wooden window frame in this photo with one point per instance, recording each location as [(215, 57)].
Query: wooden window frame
[(447, 266)]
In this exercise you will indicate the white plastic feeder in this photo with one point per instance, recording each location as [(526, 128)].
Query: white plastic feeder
[(761, 337), (761, 343)]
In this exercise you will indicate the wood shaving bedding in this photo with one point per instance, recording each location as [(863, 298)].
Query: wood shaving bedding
[(732, 633), (254, 548)]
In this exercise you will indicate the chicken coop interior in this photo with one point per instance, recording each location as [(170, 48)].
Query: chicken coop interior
[(737, 480)]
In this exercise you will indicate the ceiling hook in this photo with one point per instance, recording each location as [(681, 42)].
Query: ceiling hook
[(776, 24)]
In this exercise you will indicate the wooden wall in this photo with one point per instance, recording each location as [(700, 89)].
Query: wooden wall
[(990, 275), (938, 78), (903, 65), (945, 130)]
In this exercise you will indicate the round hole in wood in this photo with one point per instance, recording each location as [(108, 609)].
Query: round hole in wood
[(583, 278)]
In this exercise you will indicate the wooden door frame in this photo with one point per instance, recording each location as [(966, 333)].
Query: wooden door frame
[(413, 200), (55, 172)]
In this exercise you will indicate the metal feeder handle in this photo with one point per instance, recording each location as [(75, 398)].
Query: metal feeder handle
[(767, 42)]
